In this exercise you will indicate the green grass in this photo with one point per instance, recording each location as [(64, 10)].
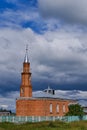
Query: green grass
[(57, 125)]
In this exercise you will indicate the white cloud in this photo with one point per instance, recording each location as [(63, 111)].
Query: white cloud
[(15, 19), (58, 56), (79, 96), (63, 54), (69, 11)]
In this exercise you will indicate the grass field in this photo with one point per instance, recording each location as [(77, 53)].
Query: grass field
[(81, 125)]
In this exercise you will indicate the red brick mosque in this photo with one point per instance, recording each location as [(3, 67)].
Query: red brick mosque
[(44, 105)]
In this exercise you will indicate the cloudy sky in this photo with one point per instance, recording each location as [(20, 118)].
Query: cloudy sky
[(56, 33)]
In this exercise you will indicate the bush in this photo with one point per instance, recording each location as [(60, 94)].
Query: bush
[(75, 110)]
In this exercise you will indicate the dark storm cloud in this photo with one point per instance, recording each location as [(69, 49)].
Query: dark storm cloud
[(71, 11)]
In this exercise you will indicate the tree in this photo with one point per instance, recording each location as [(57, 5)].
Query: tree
[(75, 110)]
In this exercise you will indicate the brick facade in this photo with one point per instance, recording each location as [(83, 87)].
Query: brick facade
[(41, 107)]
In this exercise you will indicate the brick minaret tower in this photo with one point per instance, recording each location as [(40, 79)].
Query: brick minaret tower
[(26, 87)]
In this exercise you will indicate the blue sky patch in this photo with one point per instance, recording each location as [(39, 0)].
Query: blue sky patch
[(5, 5)]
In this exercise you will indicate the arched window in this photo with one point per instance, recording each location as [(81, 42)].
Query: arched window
[(57, 108), (51, 108), (64, 110), (22, 90)]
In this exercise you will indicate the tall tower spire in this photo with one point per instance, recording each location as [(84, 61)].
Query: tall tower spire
[(26, 87), (26, 59)]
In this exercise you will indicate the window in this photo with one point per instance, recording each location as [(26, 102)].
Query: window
[(57, 108), (22, 90), (51, 108), (64, 109)]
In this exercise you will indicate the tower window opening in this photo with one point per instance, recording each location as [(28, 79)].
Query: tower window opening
[(22, 90)]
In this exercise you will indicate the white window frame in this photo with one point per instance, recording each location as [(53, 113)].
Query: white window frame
[(64, 108), (51, 107), (57, 108)]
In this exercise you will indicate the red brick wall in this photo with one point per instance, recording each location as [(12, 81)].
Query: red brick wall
[(40, 107)]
